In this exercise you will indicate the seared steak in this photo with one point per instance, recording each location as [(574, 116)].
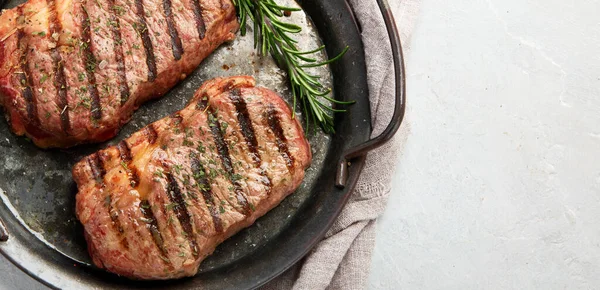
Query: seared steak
[(158, 203), (73, 71)]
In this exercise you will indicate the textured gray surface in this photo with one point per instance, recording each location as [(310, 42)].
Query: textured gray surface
[(498, 182)]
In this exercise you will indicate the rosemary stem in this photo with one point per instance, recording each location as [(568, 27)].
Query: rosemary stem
[(274, 36)]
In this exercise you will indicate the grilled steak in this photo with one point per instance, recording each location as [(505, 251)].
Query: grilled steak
[(73, 71), (158, 203)]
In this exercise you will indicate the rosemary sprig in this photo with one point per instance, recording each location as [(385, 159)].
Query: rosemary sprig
[(274, 36)]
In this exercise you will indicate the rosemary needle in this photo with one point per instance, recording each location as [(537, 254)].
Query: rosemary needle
[(272, 35)]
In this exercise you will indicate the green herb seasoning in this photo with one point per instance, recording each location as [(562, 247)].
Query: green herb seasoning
[(178, 168), (201, 148), (43, 78), (119, 10), (170, 206), (124, 165), (159, 173)]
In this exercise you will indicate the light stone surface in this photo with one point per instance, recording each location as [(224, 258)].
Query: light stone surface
[(498, 185)]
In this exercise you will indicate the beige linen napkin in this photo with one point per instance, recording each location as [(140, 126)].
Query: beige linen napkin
[(343, 259)]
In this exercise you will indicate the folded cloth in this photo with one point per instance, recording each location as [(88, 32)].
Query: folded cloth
[(343, 258)]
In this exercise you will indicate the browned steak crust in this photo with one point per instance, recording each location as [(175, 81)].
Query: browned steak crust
[(158, 203), (73, 71)]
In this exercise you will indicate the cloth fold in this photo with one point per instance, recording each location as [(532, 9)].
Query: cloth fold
[(343, 258)]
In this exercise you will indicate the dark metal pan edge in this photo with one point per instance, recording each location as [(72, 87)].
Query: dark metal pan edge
[(400, 99)]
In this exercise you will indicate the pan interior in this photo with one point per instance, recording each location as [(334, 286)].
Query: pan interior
[(36, 185)]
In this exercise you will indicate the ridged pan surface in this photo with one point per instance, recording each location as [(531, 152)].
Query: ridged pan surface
[(37, 193)]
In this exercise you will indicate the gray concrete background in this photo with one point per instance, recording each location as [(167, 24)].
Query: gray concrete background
[(499, 181), (498, 185)]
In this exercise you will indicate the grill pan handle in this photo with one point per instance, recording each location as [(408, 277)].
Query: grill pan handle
[(400, 106)]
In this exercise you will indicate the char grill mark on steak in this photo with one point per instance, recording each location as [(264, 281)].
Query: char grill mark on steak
[(151, 134), (152, 226), (116, 223), (142, 30), (175, 196), (199, 174), (96, 164), (97, 170), (90, 63), (115, 29), (217, 133), (60, 82), (246, 125), (280, 139), (125, 155), (182, 211), (200, 24), (102, 159), (248, 132), (124, 152), (25, 78), (176, 44)]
